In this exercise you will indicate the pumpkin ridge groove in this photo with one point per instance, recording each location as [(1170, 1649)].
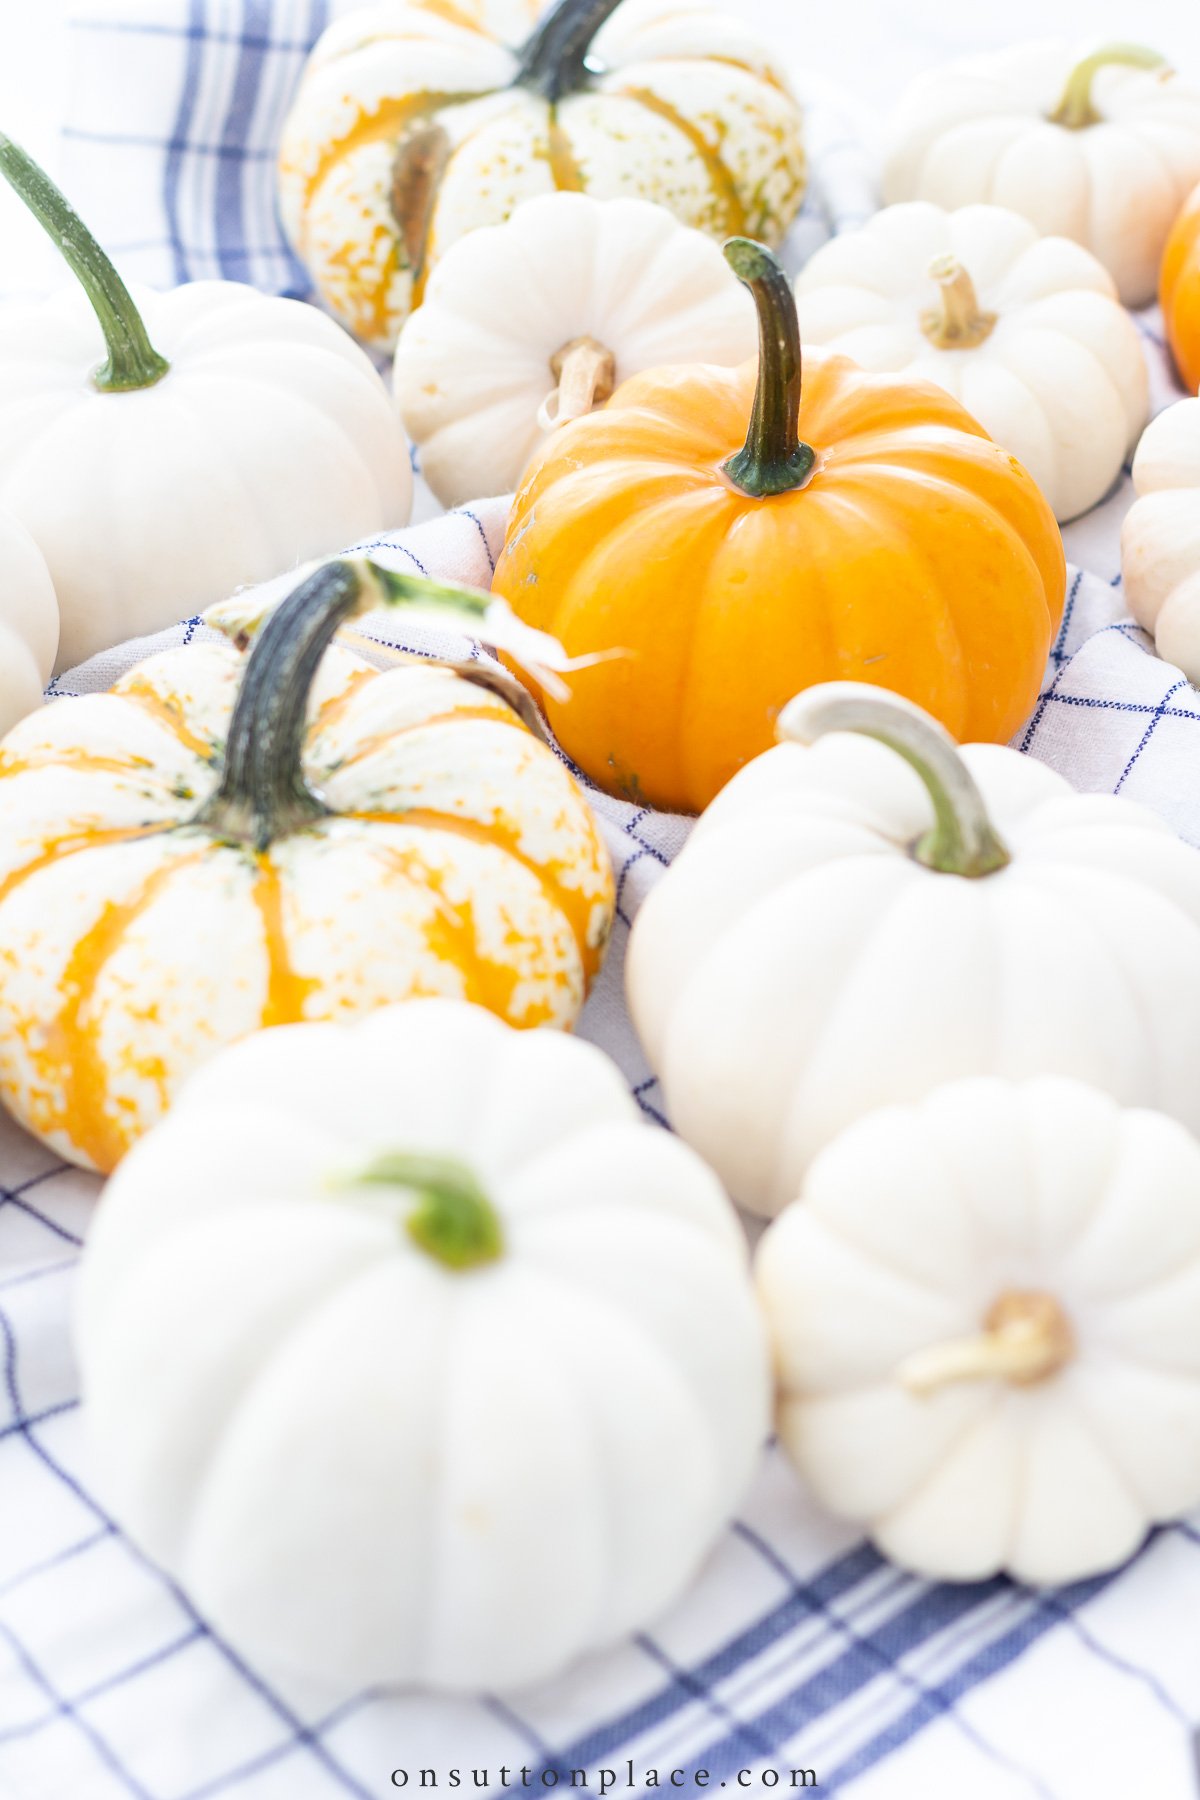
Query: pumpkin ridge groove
[(1125, 1477), (379, 740), (980, 1416), (453, 15), (871, 1251), (391, 117), (893, 872), (287, 991), (422, 158), (70, 1055), (451, 934), (724, 189), (919, 484), (565, 172), (902, 875), (448, 1362), (72, 843), (572, 905), (1113, 945), (608, 1310), (303, 1318), (172, 719)]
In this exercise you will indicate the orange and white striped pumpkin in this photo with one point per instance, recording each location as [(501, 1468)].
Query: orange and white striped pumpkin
[(419, 120), (221, 843)]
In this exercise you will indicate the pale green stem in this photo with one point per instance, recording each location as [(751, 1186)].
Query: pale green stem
[(963, 840)]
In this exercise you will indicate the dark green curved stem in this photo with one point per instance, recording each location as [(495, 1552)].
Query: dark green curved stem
[(774, 459), (554, 58), (963, 840), (1075, 110), (453, 1220), (132, 360), (262, 794)]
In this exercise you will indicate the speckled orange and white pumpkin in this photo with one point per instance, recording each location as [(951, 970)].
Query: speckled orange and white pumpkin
[(221, 843), (419, 120)]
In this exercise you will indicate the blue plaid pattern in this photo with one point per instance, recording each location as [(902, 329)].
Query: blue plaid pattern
[(799, 1647)]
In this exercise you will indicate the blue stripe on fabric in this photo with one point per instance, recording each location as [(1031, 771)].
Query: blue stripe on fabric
[(1160, 713), (173, 168), (236, 130), (1145, 1678), (466, 513), (55, 1561), (693, 1688), (943, 1647), (62, 1709), (990, 1661), (299, 283), (24, 1276), (20, 1427), (864, 1659), (18, 1197), (152, 1660), (833, 1583)]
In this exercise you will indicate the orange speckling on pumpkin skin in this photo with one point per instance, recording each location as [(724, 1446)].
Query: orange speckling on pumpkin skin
[(287, 992), (74, 1098), (70, 844), (452, 938), (69, 756), (380, 740), (576, 908), (169, 713)]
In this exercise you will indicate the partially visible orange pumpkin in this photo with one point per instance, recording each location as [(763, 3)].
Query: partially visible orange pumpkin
[(1179, 292), (897, 545)]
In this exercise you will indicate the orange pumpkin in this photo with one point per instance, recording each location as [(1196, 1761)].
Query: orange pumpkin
[(893, 543), (1179, 292)]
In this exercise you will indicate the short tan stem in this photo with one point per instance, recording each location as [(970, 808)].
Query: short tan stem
[(1026, 1338), (1076, 110), (586, 373), (958, 322)]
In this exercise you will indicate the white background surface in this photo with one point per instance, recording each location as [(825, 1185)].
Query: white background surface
[(871, 46)]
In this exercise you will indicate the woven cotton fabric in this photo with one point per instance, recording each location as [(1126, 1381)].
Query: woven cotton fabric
[(799, 1648)]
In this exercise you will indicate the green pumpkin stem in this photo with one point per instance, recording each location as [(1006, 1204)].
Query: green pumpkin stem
[(963, 840), (1076, 109), (262, 794), (453, 1221), (132, 360), (554, 58), (774, 459)]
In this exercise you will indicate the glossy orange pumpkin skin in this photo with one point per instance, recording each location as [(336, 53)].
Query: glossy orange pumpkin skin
[(1179, 292), (919, 556)]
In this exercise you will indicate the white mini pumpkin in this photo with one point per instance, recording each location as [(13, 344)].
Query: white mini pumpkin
[(415, 124), (28, 623), (164, 450), (1026, 332), (532, 323), (1101, 146), (1160, 538), (985, 1314), (842, 931), (489, 1377)]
